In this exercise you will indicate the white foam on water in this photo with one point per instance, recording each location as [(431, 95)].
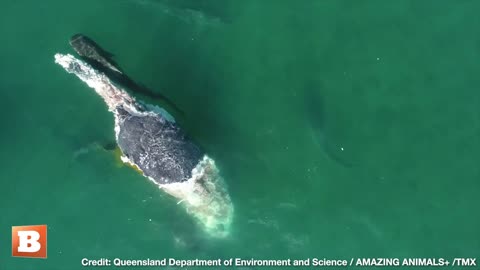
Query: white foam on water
[(204, 195), (160, 111)]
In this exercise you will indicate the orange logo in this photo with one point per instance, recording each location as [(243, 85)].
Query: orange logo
[(29, 241)]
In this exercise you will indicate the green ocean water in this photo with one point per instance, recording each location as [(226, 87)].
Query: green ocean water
[(342, 128)]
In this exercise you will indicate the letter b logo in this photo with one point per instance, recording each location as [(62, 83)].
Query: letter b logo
[(29, 241)]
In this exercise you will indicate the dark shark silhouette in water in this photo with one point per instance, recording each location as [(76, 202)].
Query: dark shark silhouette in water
[(316, 116), (89, 49), (102, 60)]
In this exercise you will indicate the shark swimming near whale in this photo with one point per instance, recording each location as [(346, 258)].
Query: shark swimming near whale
[(100, 59), (161, 151), (89, 49), (315, 113)]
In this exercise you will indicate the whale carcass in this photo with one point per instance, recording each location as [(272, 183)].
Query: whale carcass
[(154, 143)]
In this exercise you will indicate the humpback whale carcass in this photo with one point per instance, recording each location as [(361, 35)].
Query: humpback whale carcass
[(164, 154)]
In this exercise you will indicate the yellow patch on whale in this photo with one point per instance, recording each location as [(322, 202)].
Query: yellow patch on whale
[(118, 157)]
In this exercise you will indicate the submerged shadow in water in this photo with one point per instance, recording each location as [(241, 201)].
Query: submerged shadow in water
[(315, 113)]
